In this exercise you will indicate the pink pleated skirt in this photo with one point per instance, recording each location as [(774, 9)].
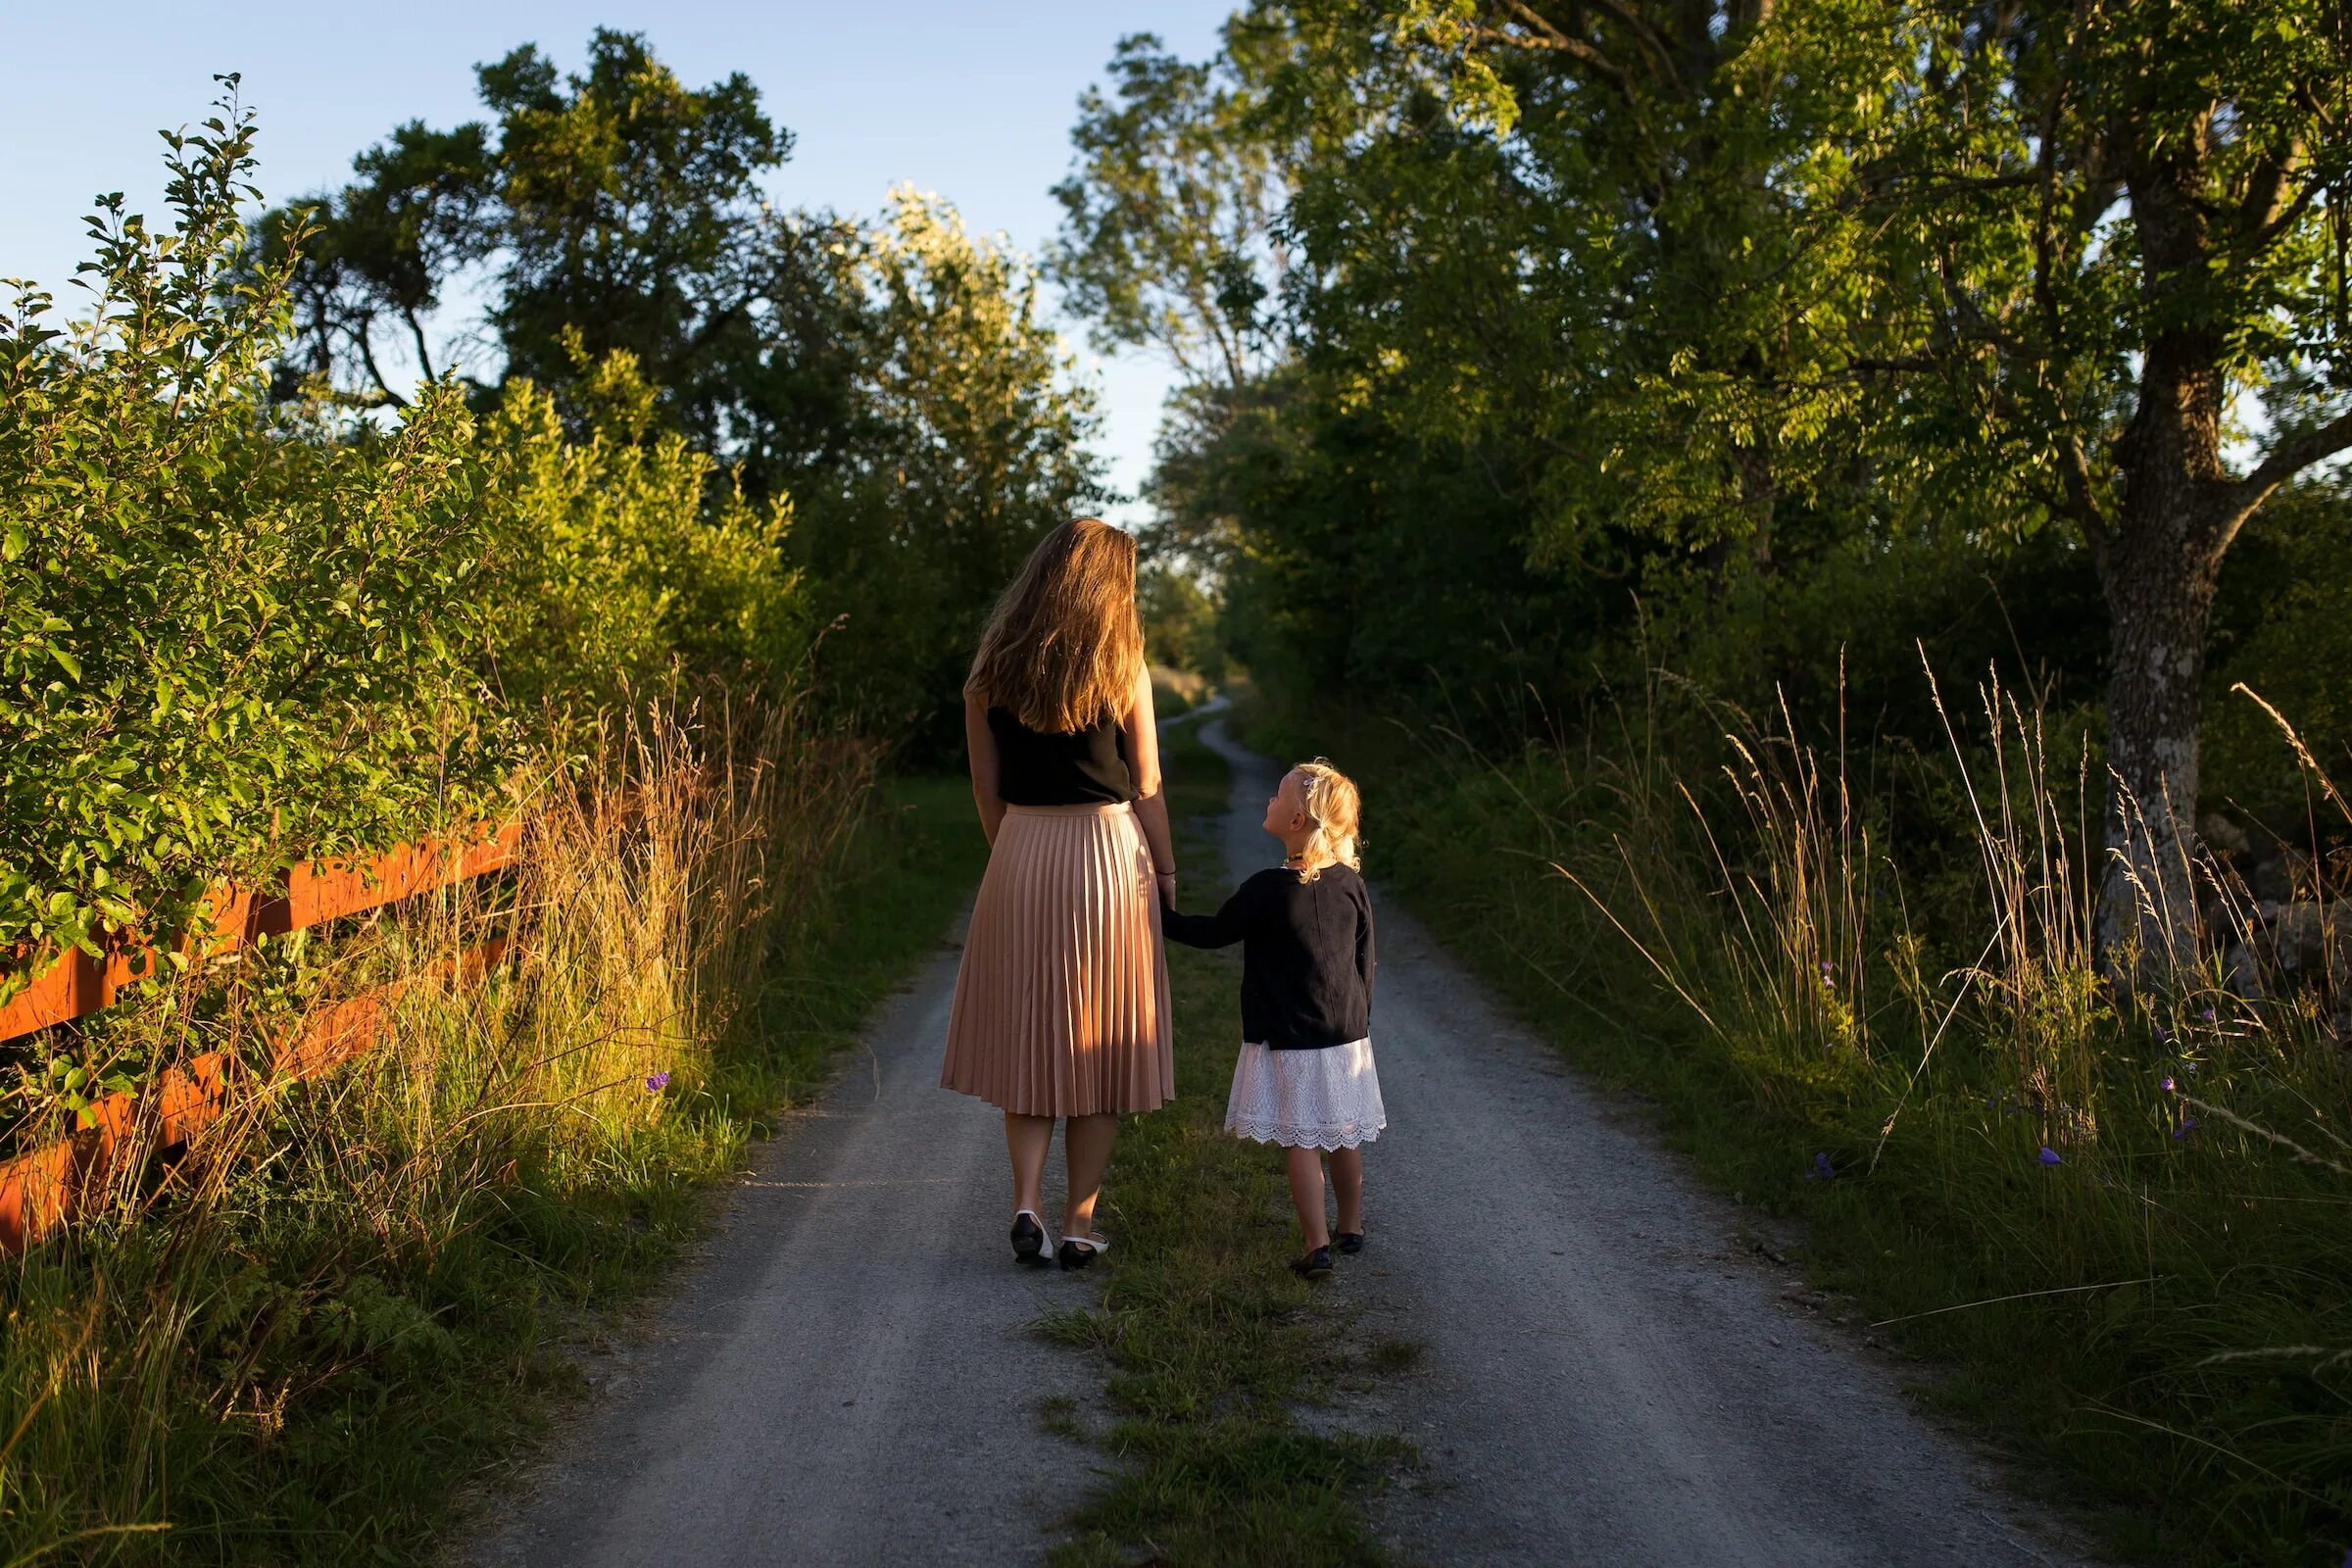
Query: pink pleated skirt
[(1061, 1003)]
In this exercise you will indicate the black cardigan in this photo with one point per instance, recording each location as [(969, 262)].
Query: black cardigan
[(1307, 955)]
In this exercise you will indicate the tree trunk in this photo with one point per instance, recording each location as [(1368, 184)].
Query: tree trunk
[(2159, 590), (2158, 567)]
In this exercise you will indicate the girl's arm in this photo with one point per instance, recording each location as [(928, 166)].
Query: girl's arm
[(1364, 964), (1222, 929), (980, 750), (1150, 805)]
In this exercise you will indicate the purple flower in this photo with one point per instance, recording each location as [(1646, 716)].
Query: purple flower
[(1823, 1170), (2207, 1015), (2162, 1033), (2168, 1083), (2049, 1156), (2188, 1124), (654, 1083)]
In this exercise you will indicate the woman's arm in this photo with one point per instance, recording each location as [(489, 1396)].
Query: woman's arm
[(1150, 805), (980, 750)]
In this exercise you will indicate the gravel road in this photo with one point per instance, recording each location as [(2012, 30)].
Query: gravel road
[(844, 1377), (1608, 1377)]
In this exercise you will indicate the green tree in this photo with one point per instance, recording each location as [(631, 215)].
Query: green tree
[(616, 202), (611, 559), (1731, 287), (232, 634), (1168, 220), (2111, 228), (973, 445)]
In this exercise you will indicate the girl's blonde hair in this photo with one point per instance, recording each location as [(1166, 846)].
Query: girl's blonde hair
[(1064, 647), (1334, 807)]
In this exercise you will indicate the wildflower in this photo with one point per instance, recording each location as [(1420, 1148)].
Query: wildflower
[(1829, 974), (2169, 1084), (654, 1083), (1823, 1170), (2207, 1015), (2162, 1033), (2049, 1156), (2188, 1124)]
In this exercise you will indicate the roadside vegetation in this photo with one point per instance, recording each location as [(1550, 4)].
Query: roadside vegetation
[(1783, 507), (1212, 1344), (2111, 1227), (257, 611)]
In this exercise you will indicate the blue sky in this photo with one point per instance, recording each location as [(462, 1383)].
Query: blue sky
[(971, 101)]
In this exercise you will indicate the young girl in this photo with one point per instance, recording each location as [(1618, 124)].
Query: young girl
[(1304, 1079)]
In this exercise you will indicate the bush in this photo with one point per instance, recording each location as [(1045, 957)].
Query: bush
[(235, 636)]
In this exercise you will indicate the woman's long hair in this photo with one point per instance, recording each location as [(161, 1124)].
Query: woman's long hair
[(1062, 648)]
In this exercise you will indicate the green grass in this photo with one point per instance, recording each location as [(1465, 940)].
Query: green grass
[(368, 1314), (1210, 1342), (2155, 1329)]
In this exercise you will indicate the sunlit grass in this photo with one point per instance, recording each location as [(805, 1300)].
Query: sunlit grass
[(345, 1299)]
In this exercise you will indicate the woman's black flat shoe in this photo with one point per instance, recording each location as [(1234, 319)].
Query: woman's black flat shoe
[(1351, 1243), (1077, 1252), (1314, 1265), (1028, 1237)]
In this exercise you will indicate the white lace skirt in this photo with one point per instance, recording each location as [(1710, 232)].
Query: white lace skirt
[(1321, 1098)]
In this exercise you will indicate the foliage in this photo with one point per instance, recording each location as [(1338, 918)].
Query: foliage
[(616, 204), (1706, 302), (894, 382), (351, 1300), (1180, 621), (979, 449), (235, 636), (610, 557), (1884, 1044), (1168, 222), (243, 632)]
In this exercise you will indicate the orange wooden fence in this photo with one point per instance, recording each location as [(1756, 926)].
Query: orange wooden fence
[(45, 1187)]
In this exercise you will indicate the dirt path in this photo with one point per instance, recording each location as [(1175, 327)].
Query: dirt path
[(1610, 1377), (844, 1377)]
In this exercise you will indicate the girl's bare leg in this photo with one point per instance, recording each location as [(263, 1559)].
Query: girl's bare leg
[(1086, 1140), (1347, 1186), (1306, 1193), (1027, 1139)]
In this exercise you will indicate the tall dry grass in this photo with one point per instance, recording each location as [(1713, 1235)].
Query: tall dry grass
[(274, 1346), (1860, 983)]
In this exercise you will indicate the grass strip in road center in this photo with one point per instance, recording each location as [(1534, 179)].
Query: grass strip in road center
[(1211, 1342)]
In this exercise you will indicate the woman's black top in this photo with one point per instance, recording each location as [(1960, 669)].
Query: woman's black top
[(1307, 955), (1080, 768)]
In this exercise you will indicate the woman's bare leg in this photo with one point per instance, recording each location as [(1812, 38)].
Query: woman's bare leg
[(1086, 1140), (1306, 1193), (1027, 1139), (1347, 1186)]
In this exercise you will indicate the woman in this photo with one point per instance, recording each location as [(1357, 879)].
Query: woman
[(1062, 1005)]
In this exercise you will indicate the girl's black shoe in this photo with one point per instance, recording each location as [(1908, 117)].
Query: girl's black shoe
[(1028, 1237), (1351, 1243), (1314, 1265)]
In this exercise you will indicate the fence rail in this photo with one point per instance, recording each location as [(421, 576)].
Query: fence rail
[(42, 1188)]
